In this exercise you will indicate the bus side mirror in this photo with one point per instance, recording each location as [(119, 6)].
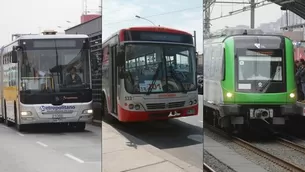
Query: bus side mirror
[(14, 56), (120, 58)]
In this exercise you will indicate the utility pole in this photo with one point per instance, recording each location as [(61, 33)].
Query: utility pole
[(207, 17), (252, 20), (101, 55)]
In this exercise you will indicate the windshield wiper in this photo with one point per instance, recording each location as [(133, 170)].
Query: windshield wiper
[(154, 78), (267, 84), (177, 79)]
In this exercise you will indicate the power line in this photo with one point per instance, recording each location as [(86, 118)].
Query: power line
[(244, 9), (161, 14)]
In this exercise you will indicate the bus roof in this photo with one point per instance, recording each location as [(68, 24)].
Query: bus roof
[(148, 28), (52, 36), (157, 29)]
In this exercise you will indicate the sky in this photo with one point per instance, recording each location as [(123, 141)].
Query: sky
[(34, 16)]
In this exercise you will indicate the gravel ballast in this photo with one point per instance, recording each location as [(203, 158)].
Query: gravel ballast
[(256, 159), (215, 164)]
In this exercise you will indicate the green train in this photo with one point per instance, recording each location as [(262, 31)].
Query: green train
[(249, 80)]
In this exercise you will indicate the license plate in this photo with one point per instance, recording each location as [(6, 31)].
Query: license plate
[(174, 113), (57, 116)]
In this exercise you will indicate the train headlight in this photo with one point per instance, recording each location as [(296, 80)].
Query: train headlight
[(291, 95), (88, 111), (195, 101), (229, 95), (25, 113)]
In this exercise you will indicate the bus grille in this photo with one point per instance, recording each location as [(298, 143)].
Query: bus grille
[(165, 106)]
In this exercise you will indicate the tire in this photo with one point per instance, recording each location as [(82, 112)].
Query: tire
[(77, 126), (15, 115), (80, 126), (2, 119), (7, 122), (21, 127), (105, 114)]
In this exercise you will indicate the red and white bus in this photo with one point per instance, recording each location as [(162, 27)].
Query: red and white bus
[(149, 73)]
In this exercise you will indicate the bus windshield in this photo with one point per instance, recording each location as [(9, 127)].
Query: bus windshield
[(54, 65), (163, 67)]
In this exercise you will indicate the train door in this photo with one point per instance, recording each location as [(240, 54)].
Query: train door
[(114, 74)]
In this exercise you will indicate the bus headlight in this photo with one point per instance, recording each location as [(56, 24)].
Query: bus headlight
[(88, 111), (229, 95), (131, 106), (137, 107), (25, 113), (291, 95)]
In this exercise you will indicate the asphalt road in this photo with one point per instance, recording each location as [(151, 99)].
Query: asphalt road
[(181, 137), (50, 150)]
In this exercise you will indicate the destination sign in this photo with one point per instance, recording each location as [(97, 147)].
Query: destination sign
[(158, 36)]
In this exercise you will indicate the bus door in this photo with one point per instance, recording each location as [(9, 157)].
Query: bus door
[(113, 78)]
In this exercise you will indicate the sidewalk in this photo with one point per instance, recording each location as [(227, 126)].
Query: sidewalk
[(125, 153)]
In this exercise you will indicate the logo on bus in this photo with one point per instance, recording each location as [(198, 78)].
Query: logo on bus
[(57, 108)]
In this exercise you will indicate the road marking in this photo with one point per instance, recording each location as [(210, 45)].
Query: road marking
[(42, 144), (74, 158), (20, 134), (94, 162)]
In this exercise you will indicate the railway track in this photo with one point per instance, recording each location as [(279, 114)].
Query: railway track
[(278, 161), (291, 145), (207, 168)]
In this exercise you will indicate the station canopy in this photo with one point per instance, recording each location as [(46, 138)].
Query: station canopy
[(295, 6)]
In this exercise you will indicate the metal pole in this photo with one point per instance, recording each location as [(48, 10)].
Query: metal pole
[(206, 16), (287, 19), (203, 35), (195, 42), (101, 75), (252, 14)]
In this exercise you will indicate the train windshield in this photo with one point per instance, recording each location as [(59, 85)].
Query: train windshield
[(260, 65), (163, 67)]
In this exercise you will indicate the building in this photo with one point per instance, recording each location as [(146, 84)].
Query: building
[(92, 28), (200, 64)]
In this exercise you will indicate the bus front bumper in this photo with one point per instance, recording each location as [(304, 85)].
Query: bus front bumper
[(37, 120)]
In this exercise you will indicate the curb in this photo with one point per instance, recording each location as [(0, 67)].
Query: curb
[(151, 149)]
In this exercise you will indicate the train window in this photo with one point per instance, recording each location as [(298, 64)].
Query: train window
[(218, 61), (207, 67), (214, 62)]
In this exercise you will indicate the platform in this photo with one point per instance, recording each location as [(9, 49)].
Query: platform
[(230, 157)]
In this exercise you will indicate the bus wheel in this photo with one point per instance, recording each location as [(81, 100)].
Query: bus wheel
[(20, 127), (105, 114), (2, 119), (80, 126), (6, 121)]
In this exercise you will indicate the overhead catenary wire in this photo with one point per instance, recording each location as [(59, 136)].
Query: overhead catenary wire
[(155, 15)]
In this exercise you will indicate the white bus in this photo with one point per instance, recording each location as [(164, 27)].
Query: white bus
[(46, 79)]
